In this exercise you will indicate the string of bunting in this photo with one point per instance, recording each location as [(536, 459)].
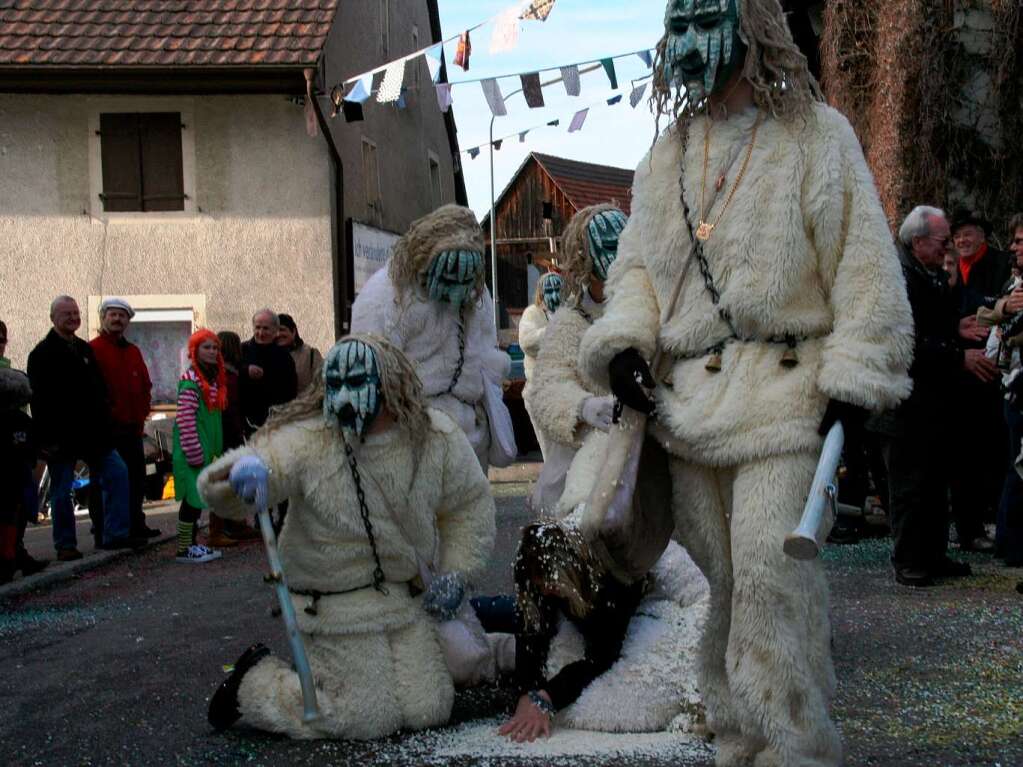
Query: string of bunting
[(578, 118), (392, 89)]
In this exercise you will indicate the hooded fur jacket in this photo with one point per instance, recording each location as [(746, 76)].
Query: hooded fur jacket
[(803, 250), (435, 486), (427, 331), (532, 327)]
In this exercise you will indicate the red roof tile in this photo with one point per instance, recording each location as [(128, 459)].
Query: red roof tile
[(586, 183), (164, 32)]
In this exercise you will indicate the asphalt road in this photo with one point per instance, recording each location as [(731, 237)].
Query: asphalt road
[(116, 667)]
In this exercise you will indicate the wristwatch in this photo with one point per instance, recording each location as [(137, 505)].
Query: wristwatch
[(541, 702)]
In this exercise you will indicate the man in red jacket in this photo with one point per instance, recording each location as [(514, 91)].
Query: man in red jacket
[(129, 389)]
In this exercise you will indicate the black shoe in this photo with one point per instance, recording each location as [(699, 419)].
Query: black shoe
[(124, 543), (146, 532), (910, 576), (981, 545), (28, 564), (946, 567), (843, 536), (1019, 587), (224, 703)]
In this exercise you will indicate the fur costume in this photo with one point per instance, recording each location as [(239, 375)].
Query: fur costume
[(803, 250), (393, 304), (375, 656), (532, 328)]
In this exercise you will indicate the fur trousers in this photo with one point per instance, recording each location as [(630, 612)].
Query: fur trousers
[(764, 661), (367, 686)]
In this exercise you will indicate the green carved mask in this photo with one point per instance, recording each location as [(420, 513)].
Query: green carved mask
[(702, 45), (603, 231), (552, 291), (352, 394), (451, 277)]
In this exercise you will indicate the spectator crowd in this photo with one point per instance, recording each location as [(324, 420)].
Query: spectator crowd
[(82, 407)]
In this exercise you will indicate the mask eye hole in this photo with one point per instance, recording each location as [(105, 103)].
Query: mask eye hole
[(707, 25), (334, 381), (356, 382), (679, 27)]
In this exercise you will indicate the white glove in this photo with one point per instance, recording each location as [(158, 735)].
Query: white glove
[(597, 412)]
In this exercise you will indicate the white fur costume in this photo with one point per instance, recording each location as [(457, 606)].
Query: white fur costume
[(804, 249), (427, 331), (375, 657), (532, 327)]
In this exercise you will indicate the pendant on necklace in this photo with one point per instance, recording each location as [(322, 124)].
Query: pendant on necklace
[(719, 184), (703, 231)]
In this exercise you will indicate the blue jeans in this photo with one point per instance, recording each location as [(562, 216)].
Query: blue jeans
[(113, 478)]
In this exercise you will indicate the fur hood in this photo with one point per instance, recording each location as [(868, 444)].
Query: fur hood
[(450, 227)]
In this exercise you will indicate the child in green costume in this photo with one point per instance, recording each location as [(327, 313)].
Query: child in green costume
[(198, 437)]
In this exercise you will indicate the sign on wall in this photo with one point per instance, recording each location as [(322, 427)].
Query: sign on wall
[(369, 248)]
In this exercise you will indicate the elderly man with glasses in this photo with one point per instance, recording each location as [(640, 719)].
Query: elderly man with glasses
[(916, 435)]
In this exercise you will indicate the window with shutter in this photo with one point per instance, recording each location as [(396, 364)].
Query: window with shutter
[(141, 161)]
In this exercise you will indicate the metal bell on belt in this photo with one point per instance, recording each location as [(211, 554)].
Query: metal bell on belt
[(789, 358), (713, 364)]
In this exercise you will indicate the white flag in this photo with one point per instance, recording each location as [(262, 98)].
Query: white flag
[(577, 120), (636, 95), (570, 76), (506, 31), (394, 78), (492, 93)]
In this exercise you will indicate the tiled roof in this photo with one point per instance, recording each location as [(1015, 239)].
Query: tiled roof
[(586, 183), (141, 33)]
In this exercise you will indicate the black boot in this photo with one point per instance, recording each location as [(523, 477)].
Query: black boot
[(224, 703), (28, 564)]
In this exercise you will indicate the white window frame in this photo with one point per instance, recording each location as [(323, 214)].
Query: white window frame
[(132, 104)]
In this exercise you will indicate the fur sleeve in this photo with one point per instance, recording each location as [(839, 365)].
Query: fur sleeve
[(532, 327), (495, 363), (631, 318), (556, 391), (866, 357), (465, 519), (374, 307)]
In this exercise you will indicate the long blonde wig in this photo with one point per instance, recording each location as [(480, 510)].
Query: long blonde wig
[(575, 259), (399, 385)]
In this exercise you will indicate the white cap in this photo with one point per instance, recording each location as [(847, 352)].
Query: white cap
[(115, 303)]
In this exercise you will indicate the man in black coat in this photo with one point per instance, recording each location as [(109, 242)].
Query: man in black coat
[(72, 420), (916, 436), (981, 437), (267, 373)]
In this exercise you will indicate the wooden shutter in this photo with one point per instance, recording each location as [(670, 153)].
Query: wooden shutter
[(163, 186), (121, 159)]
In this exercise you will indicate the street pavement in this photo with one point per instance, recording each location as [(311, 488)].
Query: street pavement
[(115, 664)]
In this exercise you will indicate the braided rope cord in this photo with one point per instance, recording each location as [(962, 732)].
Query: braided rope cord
[(461, 350)]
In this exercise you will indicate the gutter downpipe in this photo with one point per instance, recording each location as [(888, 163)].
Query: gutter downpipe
[(338, 246)]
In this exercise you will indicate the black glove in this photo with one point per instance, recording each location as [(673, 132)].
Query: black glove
[(852, 417), (628, 374)]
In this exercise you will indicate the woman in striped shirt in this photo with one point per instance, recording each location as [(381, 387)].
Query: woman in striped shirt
[(198, 436)]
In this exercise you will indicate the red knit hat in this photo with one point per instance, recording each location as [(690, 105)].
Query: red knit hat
[(198, 337)]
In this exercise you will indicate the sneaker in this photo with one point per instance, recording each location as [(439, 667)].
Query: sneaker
[(197, 553), (68, 555), (947, 567)]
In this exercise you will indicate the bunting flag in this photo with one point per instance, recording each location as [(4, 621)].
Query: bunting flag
[(538, 10), (644, 56), (531, 90), (497, 143), (614, 100), (433, 58), (492, 93), (570, 76), (577, 120), (636, 95), (609, 67), (463, 51), (352, 110), (390, 88), (361, 90), (554, 123), (506, 31), (474, 152), (401, 103), (444, 96), (522, 137)]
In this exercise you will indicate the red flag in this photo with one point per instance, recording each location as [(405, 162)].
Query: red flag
[(463, 51)]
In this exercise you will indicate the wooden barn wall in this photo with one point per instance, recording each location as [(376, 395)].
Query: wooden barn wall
[(520, 216)]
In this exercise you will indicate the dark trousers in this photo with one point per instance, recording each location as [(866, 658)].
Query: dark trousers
[(1009, 535), (977, 473), (133, 454), (918, 498)]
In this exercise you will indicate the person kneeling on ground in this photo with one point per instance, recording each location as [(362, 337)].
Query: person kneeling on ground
[(378, 483)]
